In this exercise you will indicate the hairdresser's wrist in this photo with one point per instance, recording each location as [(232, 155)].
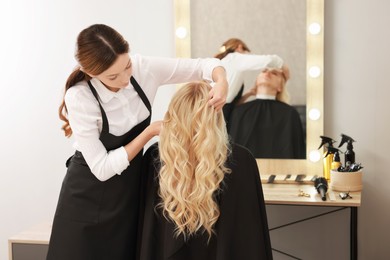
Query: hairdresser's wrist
[(153, 129), (219, 75)]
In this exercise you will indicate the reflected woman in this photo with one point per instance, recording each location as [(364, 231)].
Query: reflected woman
[(203, 197), (237, 59), (268, 126)]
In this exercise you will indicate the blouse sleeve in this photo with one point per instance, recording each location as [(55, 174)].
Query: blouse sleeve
[(83, 115), (255, 62), (178, 70), (238, 63)]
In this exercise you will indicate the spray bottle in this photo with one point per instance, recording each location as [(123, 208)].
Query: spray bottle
[(349, 155), (336, 163), (328, 157)]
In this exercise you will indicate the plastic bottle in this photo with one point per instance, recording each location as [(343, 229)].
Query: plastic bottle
[(336, 161), (349, 155), (328, 156), (327, 166)]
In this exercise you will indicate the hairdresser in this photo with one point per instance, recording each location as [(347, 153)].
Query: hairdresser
[(107, 110)]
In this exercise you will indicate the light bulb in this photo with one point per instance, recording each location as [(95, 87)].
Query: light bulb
[(314, 72), (314, 156), (315, 28), (314, 114), (181, 32)]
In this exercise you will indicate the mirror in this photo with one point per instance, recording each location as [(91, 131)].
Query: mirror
[(312, 74)]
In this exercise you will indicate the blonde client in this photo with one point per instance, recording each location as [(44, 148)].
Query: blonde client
[(267, 125), (203, 197)]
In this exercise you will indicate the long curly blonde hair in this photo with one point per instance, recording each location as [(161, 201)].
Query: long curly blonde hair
[(283, 95), (193, 151)]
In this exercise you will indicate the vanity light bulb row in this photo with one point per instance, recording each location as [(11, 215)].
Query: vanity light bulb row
[(314, 72)]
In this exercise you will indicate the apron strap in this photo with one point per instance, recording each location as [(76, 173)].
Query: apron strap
[(137, 88), (104, 116), (141, 94)]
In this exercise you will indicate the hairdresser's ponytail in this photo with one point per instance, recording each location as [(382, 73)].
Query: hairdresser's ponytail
[(230, 46), (76, 76), (223, 54)]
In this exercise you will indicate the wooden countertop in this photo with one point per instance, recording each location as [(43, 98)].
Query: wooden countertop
[(288, 194)]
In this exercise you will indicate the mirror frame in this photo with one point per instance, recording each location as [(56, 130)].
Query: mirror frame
[(314, 87)]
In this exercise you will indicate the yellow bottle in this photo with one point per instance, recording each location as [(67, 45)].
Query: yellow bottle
[(335, 164), (328, 159), (327, 143)]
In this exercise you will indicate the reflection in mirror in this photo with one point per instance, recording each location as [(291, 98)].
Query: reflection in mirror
[(266, 26), (312, 50)]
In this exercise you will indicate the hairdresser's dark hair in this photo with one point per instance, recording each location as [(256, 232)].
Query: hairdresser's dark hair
[(230, 46), (98, 46)]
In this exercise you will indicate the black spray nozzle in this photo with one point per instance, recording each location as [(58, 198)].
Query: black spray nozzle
[(326, 140), (332, 150), (344, 139)]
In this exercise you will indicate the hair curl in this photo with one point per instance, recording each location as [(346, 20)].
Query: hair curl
[(283, 95), (193, 151)]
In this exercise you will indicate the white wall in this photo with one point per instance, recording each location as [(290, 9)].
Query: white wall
[(36, 51), (357, 92), (36, 56)]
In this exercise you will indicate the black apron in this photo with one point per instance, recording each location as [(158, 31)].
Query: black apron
[(98, 220)]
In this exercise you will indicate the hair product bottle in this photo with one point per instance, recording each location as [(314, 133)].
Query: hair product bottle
[(349, 155), (327, 142), (336, 160)]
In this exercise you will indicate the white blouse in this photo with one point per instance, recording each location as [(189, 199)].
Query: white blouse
[(236, 64), (124, 109)]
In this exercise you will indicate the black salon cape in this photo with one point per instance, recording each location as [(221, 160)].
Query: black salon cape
[(241, 230), (269, 129)]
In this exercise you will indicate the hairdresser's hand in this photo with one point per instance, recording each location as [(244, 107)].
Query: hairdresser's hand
[(154, 128), (219, 91), (136, 145), (218, 94)]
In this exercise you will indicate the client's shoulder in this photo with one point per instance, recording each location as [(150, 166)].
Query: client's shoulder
[(240, 154)]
